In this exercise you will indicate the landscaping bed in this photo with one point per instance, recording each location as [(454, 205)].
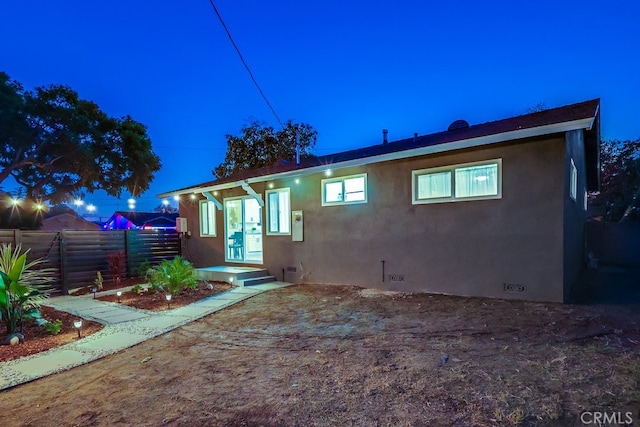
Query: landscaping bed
[(316, 355), (37, 339), (147, 299)]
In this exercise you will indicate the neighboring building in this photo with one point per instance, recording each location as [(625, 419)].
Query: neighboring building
[(494, 210), (67, 221), (122, 220)]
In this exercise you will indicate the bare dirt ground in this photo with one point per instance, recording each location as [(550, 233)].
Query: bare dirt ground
[(342, 356)]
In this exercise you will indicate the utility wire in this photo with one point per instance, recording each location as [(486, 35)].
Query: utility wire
[(215, 9)]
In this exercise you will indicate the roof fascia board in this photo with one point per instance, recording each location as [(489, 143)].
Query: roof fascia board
[(586, 123)]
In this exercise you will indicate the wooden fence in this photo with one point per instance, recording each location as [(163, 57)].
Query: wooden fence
[(614, 244), (77, 255)]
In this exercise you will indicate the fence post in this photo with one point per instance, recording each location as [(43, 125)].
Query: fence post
[(17, 237), (63, 269), (127, 252)]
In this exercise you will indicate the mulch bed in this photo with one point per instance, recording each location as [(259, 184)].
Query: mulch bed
[(37, 339), (156, 301)]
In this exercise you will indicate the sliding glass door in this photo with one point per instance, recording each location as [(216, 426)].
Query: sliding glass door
[(243, 230)]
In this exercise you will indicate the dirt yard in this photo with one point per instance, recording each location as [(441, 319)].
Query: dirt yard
[(343, 356)]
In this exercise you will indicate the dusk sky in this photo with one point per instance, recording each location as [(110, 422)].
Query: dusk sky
[(348, 68)]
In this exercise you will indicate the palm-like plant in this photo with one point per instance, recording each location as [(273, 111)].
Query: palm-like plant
[(174, 275), (22, 288)]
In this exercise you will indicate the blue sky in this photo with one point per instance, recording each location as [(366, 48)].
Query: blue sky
[(348, 68)]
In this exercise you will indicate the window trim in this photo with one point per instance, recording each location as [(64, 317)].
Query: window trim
[(268, 232), (452, 169), (210, 205), (573, 181), (342, 179)]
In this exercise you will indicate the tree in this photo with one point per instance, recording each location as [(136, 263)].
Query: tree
[(619, 180), (162, 208), (56, 145), (260, 145)]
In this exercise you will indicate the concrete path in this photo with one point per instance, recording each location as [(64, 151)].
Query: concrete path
[(124, 327)]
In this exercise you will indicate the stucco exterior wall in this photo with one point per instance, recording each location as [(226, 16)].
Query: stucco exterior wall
[(574, 212), (474, 248)]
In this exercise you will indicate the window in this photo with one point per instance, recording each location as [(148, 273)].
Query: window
[(573, 187), (278, 211), (207, 219), (472, 181), (344, 190)]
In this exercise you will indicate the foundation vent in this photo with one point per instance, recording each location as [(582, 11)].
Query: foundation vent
[(514, 287), (396, 277)]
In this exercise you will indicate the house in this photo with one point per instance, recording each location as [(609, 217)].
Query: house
[(122, 220), (493, 210), (67, 221)]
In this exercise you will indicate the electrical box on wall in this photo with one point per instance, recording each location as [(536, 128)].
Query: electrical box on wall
[(296, 226), (181, 225)]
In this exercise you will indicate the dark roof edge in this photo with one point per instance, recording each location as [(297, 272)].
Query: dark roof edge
[(584, 120)]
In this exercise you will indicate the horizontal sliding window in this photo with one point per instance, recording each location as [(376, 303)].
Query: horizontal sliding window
[(471, 181), (344, 190)]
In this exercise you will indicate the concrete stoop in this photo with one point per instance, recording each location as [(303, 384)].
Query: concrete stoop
[(239, 276)]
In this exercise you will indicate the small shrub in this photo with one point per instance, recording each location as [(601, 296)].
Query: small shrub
[(173, 276), (23, 288), (143, 268), (116, 266), (138, 289), (53, 328), (99, 281)]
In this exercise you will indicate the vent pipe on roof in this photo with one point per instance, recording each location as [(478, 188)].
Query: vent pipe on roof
[(415, 136), (385, 132)]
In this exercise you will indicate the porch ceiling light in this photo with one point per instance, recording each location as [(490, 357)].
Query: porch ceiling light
[(176, 198), (192, 196), (297, 180), (328, 172)]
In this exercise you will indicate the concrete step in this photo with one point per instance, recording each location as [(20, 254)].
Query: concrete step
[(230, 274), (256, 280)]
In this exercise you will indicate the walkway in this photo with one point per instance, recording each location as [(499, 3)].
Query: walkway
[(125, 327)]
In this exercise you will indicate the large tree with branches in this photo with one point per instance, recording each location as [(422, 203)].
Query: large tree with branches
[(619, 180), (260, 145), (56, 145)]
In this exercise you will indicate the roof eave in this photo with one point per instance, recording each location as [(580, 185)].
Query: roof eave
[(585, 123)]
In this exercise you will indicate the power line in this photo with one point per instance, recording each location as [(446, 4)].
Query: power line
[(215, 9)]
